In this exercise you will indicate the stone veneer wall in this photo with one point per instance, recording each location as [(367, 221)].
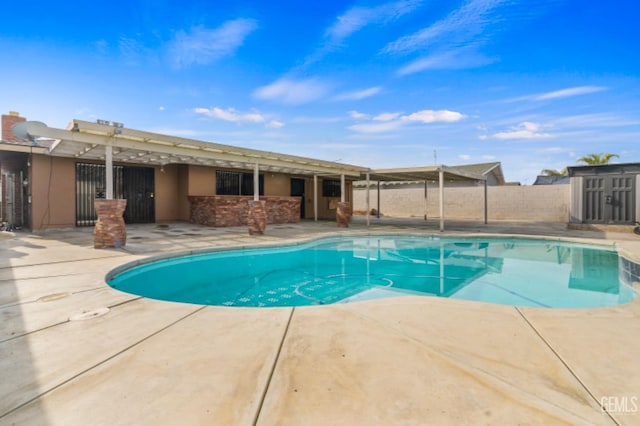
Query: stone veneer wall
[(231, 210)]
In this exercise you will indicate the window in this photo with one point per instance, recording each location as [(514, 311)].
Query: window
[(236, 183), (330, 188)]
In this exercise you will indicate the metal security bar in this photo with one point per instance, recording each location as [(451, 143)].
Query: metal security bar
[(90, 184), (236, 183)]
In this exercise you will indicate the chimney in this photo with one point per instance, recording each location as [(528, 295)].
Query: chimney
[(8, 121)]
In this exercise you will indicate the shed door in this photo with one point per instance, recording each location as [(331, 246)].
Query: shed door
[(609, 199)]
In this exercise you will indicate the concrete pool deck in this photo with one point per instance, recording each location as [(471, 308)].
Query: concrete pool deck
[(66, 360)]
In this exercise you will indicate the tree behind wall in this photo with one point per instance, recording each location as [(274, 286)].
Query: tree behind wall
[(596, 159)]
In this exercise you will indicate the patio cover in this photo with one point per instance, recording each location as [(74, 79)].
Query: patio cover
[(93, 141), (439, 173), (108, 142)]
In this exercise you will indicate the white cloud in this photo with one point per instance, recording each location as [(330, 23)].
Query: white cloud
[(292, 92), (161, 108), (202, 45), (376, 127), (386, 116), (526, 130), (358, 95), (230, 114), (389, 121), (464, 157), (275, 124), (358, 115), (488, 157), (431, 116)]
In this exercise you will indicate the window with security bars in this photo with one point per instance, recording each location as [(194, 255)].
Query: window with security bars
[(236, 183), (331, 188)]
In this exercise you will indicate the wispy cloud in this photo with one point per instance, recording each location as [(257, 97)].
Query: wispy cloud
[(133, 51), (356, 19), (526, 130), (389, 121), (462, 58), (293, 92), (230, 114), (202, 45), (560, 94), (454, 42), (459, 28), (358, 94)]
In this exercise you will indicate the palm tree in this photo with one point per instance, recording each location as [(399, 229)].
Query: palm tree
[(596, 159), (551, 172)]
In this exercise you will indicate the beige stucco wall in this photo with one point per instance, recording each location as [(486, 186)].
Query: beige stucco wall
[(167, 194), (547, 203), (53, 192), (201, 180), (277, 184)]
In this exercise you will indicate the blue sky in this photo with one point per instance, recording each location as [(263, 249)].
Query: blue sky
[(533, 84)]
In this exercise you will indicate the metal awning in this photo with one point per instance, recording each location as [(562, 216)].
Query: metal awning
[(88, 141), (424, 173), (438, 173)]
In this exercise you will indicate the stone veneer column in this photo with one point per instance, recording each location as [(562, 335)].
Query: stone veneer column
[(343, 214), (256, 217), (110, 231)]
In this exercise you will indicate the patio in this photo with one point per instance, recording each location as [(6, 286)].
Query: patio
[(67, 360)]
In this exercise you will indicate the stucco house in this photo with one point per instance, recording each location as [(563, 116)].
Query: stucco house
[(50, 177)]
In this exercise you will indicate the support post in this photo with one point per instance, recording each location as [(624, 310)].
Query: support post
[(378, 210), (441, 183), (256, 182), (368, 201), (486, 211), (315, 198), (426, 204), (342, 189), (108, 156)]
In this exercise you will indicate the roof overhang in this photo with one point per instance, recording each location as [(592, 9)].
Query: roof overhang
[(87, 141)]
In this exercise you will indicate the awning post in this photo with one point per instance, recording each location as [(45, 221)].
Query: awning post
[(378, 210), (486, 212), (315, 198), (342, 189), (256, 182), (426, 204), (368, 201), (441, 183), (108, 155)]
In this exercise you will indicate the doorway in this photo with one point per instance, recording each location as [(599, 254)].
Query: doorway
[(297, 190)]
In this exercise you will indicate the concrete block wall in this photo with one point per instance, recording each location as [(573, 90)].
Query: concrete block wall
[(545, 203)]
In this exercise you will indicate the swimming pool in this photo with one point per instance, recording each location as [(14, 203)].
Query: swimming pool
[(518, 272)]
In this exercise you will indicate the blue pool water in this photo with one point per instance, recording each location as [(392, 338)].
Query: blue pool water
[(520, 272)]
